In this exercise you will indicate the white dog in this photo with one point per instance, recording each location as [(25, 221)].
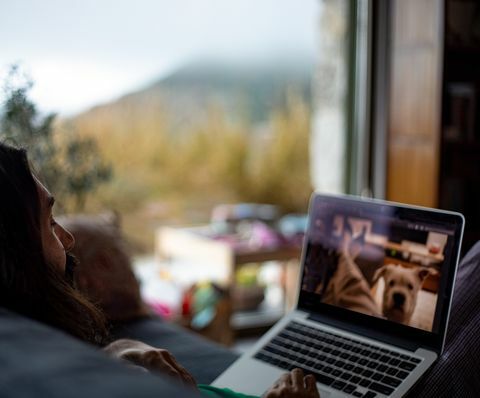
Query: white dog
[(401, 290)]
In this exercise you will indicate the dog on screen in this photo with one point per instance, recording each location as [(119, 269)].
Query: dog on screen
[(401, 290)]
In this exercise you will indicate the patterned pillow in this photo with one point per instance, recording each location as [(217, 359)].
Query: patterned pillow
[(456, 373)]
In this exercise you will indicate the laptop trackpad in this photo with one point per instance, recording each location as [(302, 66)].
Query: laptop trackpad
[(251, 376), (323, 393)]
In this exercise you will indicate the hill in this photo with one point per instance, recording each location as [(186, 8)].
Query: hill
[(243, 92)]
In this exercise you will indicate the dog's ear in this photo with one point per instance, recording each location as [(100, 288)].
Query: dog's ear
[(423, 272), (379, 273)]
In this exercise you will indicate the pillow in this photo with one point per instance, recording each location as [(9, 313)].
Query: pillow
[(105, 275), (456, 373)]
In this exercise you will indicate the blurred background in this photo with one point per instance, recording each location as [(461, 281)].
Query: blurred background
[(205, 125), (188, 104)]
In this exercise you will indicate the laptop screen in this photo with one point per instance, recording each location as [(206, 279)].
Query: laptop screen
[(387, 261)]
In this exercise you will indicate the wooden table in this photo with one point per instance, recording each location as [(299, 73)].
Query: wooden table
[(193, 245)]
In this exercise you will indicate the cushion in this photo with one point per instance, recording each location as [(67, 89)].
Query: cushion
[(104, 274), (39, 361), (456, 373)]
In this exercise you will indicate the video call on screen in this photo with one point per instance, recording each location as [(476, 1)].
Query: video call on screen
[(376, 264)]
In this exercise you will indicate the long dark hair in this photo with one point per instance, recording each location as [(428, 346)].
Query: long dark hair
[(28, 284)]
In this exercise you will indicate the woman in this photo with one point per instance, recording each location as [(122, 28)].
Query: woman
[(36, 280)]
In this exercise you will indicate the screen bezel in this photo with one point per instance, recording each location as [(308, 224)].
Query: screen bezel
[(309, 302)]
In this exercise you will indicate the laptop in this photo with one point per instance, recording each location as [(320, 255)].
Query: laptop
[(374, 296)]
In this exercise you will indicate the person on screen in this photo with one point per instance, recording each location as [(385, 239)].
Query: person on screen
[(340, 281)]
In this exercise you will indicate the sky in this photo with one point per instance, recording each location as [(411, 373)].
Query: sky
[(83, 52)]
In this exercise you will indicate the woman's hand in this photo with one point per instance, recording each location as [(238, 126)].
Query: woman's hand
[(151, 358), (294, 385)]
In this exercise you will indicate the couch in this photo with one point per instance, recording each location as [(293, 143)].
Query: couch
[(38, 361)]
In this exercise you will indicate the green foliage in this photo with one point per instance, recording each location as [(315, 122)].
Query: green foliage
[(70, 166), (21, 125), (83, 169), (210, 161), (281, 174)]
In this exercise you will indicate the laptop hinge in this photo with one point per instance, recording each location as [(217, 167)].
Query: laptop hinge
[(368, 333)]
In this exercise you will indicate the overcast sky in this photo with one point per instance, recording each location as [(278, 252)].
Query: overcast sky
[(84, 52)]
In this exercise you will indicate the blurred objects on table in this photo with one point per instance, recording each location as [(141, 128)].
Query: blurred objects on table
[(230, 252)]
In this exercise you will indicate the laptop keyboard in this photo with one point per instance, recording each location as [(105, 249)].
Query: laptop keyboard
[(348, 365)]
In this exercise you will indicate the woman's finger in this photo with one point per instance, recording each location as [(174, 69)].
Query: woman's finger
[(187, 377), (297, 378), (166, 368), (134, 356), (284, 380), (311, 384)]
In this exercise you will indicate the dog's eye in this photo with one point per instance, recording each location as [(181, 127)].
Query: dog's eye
[(410, 286), (391, 283)]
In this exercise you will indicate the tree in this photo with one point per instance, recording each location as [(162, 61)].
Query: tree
[(71, 166)]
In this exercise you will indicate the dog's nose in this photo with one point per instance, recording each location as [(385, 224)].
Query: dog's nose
[(398, 299)]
